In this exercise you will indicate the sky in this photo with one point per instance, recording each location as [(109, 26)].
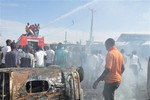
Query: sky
[(73, 17)]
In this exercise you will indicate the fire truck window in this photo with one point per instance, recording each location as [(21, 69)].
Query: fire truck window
[(33, 44), (36, 86)]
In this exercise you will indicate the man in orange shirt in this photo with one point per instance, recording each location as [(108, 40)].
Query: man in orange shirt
[(113, 70)]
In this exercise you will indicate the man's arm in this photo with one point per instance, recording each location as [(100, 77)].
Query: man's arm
[(2, 56), (109, 61), (123, 68), (102, 77), (105, 72)]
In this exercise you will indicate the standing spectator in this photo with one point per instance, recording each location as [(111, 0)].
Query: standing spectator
[(50, 56), (124, 55), (92, 64), (135, 64), (20, 54), (10, 57), (76, 57), (31, 56), (35, 29), (5, 49), (83, 55), (27, 28), (61, 56), (28, 59), (100, 60), (39, 57), (113, 70), (70, 56), (38, 28), (135, 67), (31, 30)]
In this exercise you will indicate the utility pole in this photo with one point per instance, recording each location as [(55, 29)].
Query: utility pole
[(65, 37), (91, 31)]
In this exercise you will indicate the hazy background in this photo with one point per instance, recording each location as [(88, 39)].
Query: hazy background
[(57, 17)]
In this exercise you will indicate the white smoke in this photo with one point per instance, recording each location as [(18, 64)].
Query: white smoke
[(133, 87)]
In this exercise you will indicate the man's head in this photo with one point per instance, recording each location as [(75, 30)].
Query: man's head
[(8, 42), (59, 45), (51, 46), (27, 49), (134, 52), (46, 48), (13, 46), (38, 48), (122, 51), (109, 43)]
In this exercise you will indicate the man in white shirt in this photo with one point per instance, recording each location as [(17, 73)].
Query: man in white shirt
[(50, 56), (5, 49), (39, 57), (135, 64), (92, 64)]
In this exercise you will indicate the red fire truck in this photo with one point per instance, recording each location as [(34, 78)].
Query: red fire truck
[(31, 40)]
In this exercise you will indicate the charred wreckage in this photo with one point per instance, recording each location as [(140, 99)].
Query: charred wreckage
[(51, 83)]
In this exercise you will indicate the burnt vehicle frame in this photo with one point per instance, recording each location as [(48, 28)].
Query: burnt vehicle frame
[(51, 83)]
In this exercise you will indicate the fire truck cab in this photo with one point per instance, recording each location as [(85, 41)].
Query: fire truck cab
[(31, 40)]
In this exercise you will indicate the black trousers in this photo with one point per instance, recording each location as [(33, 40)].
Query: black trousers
[(2, 65), (109, 90)]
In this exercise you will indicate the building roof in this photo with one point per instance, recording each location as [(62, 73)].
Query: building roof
[(134, 38), (146, 43)]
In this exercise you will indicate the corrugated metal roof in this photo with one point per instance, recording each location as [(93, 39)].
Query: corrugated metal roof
[(146, 43), (134, 38)]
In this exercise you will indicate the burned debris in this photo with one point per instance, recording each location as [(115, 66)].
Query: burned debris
[(52, 83)]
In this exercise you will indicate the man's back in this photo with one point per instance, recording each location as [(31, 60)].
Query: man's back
[(27, 28), (61, 57), (4, 51), (113, 70), (10, 59), (114, 61), (134, 60), (39, 57), (50, 56), (25, 62), (92, 61)]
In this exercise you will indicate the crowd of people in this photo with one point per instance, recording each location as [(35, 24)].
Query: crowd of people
[(13, 55), (32, 30), (93, 62)]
